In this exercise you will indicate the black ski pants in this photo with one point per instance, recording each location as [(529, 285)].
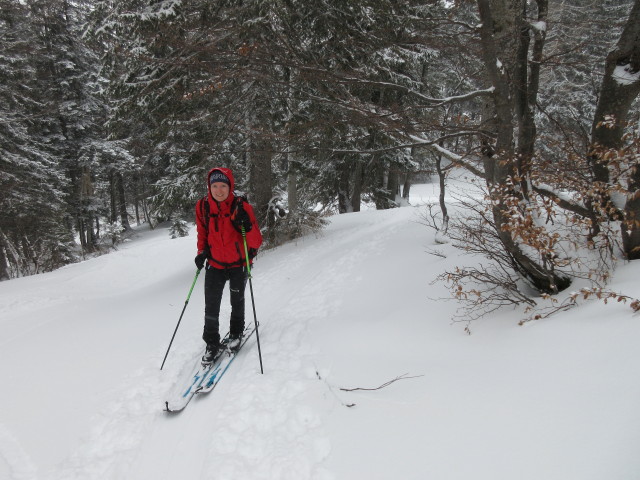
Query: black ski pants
[(214, 282)]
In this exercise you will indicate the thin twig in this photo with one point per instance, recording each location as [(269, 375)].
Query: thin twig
[(386, 384), (348, 405), (437, 253)]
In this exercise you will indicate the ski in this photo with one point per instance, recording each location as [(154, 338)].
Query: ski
[(182, 394), (203, 377), (222, 366)]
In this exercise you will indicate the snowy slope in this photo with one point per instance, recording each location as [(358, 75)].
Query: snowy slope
[(82, 393)]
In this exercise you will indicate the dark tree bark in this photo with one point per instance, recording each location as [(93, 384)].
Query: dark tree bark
[(356, 196), (406, 186), (4, 270), (121, 201), (504, 34), (344, 188), (442, 177), (620, 87), (393, 185), (292, 187), (261, 180)]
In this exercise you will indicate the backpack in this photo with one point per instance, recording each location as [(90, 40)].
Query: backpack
[(205, 209)]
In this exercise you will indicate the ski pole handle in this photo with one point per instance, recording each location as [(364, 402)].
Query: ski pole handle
[(246, 250)]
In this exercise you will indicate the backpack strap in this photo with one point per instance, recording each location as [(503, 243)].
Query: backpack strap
[(203, 205), (205, 210)]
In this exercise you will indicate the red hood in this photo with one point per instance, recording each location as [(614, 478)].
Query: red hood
[(229, 175)]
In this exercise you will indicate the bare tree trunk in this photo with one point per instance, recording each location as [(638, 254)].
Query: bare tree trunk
[(505, 59), (292, 173), (620, 87), (356, 196), (441, 197), (92, 240), (4, 263), (81, 234), (406, 186), (292, 188), (136, 198), (85, 222), (113, 202), (631, 223), (344, 188), (526, 91), (261, 181), (121, 201), (393, 186), (147, 214)]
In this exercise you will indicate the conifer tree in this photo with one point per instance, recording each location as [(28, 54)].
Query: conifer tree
[(33, 234)]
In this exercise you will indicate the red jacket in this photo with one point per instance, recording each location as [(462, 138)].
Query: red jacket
[(226, 247)]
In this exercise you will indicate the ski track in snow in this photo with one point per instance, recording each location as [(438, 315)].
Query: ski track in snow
[(14, 461), (118, 432)]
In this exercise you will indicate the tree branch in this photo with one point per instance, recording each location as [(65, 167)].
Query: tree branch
[(561, 202), (386, 384)]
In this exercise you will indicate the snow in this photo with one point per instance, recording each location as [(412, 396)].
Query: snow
[(539, 26), (561, 194), (164, 8), (354, 307), (624, 76)]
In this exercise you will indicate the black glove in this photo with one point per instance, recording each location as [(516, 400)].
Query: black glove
[(200, 259), (241, 219)]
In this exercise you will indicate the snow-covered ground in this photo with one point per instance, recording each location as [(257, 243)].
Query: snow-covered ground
[(82, 394)]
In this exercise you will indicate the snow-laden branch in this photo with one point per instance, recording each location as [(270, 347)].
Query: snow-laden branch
[(454, 157), (539, 26), (561, 200), (438, 102), (431, 101), (624, 75), (419, 142)]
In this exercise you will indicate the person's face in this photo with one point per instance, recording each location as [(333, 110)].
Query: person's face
[(219, 191)]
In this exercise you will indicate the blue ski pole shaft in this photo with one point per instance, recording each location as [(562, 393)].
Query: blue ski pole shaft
[(180, 319), (253, 303)]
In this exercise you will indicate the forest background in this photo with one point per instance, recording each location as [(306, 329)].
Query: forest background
[(112, 112)]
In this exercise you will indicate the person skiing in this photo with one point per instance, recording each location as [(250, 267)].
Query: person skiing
[(224, 221)]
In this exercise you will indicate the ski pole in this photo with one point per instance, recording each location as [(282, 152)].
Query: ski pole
[(180, 319), (253, 303)]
